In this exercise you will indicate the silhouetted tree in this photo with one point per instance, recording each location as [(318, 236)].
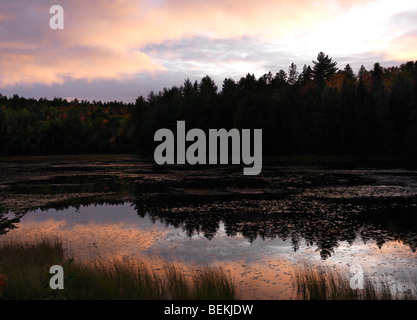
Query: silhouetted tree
[(323, 68), (292, 74), (321, 111)]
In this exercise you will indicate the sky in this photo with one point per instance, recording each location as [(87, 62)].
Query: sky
[(121, 49)]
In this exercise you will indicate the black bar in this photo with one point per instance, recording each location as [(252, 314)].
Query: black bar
[(259, 309)]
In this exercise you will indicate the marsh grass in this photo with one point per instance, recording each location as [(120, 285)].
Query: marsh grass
[(27, 265), (27, 268), (213, 284), (325, 283)]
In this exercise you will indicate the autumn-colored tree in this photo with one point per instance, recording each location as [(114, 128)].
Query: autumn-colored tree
[(322, 110)]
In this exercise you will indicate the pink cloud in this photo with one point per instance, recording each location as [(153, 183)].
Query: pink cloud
[(54, 68), (103, 39)]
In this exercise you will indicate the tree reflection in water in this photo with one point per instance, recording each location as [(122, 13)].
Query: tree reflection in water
[(7, 223), (252, 219), (317, 207)]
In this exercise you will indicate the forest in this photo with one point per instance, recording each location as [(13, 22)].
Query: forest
[(44, 127), (318, 109)]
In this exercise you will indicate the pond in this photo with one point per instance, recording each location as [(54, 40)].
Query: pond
[(259, 228)]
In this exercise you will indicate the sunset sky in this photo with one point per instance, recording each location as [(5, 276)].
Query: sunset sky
[(120, 49)]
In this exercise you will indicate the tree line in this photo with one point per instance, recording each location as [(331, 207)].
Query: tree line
[(58, 126), (317, 110), (320, 110)]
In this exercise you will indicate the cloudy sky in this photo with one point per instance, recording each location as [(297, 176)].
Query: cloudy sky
[(120, 49)]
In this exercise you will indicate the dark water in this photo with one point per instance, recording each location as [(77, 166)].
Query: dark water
[(257, 227)]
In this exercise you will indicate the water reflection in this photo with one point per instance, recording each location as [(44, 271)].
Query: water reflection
[(319, 207), (7, 223), (258, 226), (263, 267), (322, 230)]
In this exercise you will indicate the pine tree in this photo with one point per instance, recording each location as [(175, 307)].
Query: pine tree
[(348, 71), (292, 74), (323, 68)]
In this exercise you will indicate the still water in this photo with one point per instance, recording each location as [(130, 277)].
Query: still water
[(257, 227)]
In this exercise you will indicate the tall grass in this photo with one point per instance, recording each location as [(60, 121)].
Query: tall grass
[(24, 275), (27, 268), (325, 283)]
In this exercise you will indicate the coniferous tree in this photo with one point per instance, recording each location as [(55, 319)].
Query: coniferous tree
[(319, 111), (323, 68), (383, 127), (348, 111), (292, 74)]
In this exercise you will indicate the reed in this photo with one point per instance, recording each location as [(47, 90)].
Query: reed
[(325, 283), (26, 266)]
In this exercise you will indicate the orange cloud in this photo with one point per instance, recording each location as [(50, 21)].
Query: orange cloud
[(55, 67), (112, 238), (6, 17), (103, 39), (135, 23)]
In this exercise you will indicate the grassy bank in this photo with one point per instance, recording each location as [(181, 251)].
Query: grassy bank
[(24, 275), (324, 283), (26, 267)]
